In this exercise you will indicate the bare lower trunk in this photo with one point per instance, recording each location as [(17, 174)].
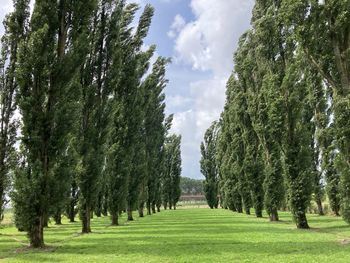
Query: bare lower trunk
[(36, 235), (336, 212), (158, 209), (258, 213), (301, 221), (141, 206), (71, 213), (149, 209), (274, 215), (86, 219), (319, 207), (247, 211), (153, 208), (130, 218), (98, 213), (58, 219), (114, 218)]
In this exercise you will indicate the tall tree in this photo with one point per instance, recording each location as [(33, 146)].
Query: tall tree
[(172, 174), (16, 25), (127, 152), (154, 131), (48, 62), (229, 137), (138, 67), (209, 167)]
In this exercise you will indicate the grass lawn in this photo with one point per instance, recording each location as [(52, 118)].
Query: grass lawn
[(187, 235)]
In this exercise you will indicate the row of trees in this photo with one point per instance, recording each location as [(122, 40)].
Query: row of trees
[(284, 134), (190, 186), (94, 137)]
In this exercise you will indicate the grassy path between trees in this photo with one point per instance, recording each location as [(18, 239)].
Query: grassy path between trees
[(187, 235)]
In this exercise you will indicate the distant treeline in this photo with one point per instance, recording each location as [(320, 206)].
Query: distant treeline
[(191, 186)]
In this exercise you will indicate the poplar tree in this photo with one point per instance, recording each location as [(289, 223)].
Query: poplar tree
[(15, 25), (155, 132), (230, 193), (209, 166), (138, 67), (47, 69), (266, 105), (172, 171), (126, 159), (269, 115), (176, 169), (323, 28)]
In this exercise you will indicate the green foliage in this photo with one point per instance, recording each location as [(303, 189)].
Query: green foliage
[(323, 30), (155, 132), (15, 29), (172, 171), (48, 60), (209, 166)]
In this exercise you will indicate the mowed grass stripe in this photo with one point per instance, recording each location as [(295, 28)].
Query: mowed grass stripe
[(187, 235)]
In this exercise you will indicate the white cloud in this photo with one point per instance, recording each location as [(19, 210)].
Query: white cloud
[(177, 26), (178, 101), (6, 7), (207, 44)]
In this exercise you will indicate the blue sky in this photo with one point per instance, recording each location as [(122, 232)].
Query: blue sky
[(200, 36)]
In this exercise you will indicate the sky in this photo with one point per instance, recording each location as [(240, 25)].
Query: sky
[(200, 36)]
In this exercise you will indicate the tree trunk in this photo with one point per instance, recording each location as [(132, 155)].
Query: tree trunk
[(71, 214), (58, 219), (86, 220), (105, 208), (247, 211), (158, 209), (274, 215), (114, 217), (258, 213), (336, 212), (149, 209), (36, 235), (142, 204), (153, 208), (130, 218), (301, 221), (319, 207), (98, 213)]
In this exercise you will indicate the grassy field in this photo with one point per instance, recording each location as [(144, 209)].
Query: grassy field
[(187, 235)]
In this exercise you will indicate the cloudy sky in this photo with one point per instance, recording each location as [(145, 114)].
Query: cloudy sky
[(200, 36)]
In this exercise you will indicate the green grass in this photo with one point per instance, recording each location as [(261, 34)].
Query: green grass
[(187, 235)]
